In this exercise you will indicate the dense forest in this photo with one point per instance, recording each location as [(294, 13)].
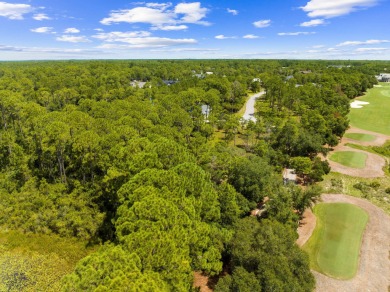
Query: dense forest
[(121, 155)]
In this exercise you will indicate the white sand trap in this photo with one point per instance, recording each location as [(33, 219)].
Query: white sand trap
[(358, 103), (378, 85)]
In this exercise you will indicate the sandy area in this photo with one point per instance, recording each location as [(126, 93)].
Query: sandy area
[(201, 281), (306, 227), (358, 103)]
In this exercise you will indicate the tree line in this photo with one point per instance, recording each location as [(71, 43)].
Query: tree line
[(141, 172)]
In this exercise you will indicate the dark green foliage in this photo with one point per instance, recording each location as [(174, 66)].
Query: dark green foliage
[(84, 154), (268, 251), (241, 280), (250, 176)]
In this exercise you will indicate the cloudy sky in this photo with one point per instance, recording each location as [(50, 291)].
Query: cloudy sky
[(262, 29)]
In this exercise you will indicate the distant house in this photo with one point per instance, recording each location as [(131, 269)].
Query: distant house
[(256, 80), (306, 72), (170, 82), (289, 77), (289, 175), (200, 76), (339, 66), (136, 83), (206, 112), (383, 77)]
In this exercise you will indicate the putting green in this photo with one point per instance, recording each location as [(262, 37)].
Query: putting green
[(335, 243), (375, 115), (360, 137), (349, 158)]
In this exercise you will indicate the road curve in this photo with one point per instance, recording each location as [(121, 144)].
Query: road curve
[(250, 107)]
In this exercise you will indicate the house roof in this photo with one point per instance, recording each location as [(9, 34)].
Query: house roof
[(289, 174)]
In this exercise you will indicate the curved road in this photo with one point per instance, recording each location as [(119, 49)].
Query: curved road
[(250, 107)]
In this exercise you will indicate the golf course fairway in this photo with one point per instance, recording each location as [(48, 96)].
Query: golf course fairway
[(335, 244)]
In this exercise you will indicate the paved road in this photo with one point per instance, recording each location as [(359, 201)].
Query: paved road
[(250, 107)]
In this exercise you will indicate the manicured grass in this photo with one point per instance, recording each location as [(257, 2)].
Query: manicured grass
[(349, 158), (374, 116), (360, 137), (335, 244)]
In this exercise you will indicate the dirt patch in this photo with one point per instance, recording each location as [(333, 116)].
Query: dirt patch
[(202, 281), (306, 227), (374, 266)]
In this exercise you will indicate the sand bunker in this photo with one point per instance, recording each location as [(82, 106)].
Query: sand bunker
[(358, 103)]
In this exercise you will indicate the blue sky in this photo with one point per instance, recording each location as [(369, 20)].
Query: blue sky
[(263, 29)]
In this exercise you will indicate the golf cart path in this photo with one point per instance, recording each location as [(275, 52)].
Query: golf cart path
[(374, 264), (380, 139), (374, 163)]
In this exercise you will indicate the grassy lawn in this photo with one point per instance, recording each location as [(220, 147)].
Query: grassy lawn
[(349, 158), (374, 116), (360, 137), (335, 244), (31, 262)]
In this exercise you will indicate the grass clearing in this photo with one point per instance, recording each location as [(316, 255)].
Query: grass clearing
[(32, 262), (349, 158), (375, 190), (360, 137), (375, 115), (335, 244)]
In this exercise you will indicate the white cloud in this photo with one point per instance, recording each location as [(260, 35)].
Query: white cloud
[(41, 16), (137, 39), (43, 29), (177, 50), (170, 27), (232, 11), (314, 22), (295, 33), (358, 43), (71, 30), (334, 8), (140, 14), (318, 46), (250, 36), (14, 11), (159, 16), (222, 37), (99, 29), (72, 39), (147, 42), (193, 13), (161, 6), (262, 23), (370, 49), (118, 36)]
